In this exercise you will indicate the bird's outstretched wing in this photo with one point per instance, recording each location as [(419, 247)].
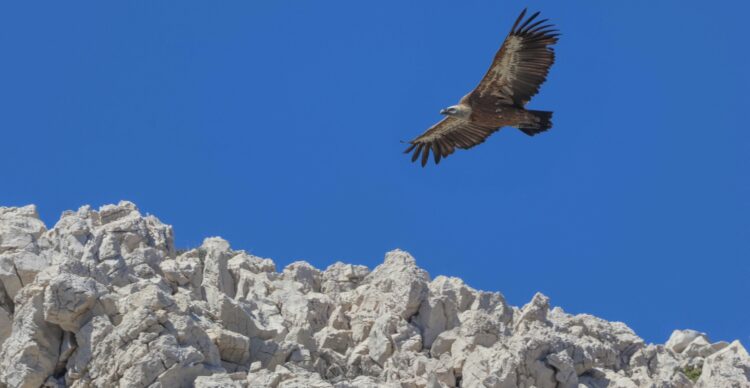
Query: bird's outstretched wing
[(520, 66), (445, 136)]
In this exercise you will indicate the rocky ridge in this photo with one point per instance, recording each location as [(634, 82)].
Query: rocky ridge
[(102, 300)]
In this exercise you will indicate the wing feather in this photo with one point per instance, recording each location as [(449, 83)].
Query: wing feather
[(520, 17), (444, 137), (416, 152), (436, 151), (520, 66), (538, 22), (531, 18), (426, 154)]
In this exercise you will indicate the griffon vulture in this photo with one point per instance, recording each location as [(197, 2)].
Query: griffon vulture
[(519, 68)]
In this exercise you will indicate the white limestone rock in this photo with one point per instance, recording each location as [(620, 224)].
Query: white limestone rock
[(20, 228), (448, 297), (20, 253), (6, 320), (680, 339), (699, 347), (397, 286), (233, 347), (304, 274), (102, 299), (534, 311), (729, 367), (216, 265), (222, 380), (340, 277), (29, 356), (69, 299)]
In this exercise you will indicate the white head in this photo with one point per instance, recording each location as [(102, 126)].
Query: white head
[(460, 111)]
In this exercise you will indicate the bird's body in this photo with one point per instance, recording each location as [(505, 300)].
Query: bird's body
[(495, 116), (519, 68)]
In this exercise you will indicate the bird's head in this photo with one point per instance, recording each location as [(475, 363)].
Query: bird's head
[(460, 111)]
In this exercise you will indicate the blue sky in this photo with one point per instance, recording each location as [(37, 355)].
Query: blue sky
[(276, 124)]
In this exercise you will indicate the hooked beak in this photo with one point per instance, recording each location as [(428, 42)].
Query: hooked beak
[(443, 111)]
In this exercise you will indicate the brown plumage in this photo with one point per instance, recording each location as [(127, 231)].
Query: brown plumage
[(519, 68)]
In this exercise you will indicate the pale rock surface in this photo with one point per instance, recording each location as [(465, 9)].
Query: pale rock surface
[(729, 367), (680, 339), (103, 300)]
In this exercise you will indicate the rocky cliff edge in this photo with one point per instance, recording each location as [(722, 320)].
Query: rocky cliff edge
[(103, 300)]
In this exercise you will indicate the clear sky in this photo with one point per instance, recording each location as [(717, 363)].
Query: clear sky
[(276, 124)]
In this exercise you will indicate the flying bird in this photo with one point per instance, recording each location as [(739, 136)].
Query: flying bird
[(519, 68)]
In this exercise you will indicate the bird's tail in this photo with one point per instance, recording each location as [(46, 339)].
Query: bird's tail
[(538, 121)]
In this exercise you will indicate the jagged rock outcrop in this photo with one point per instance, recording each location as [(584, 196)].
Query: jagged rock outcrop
[(103, 300)]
